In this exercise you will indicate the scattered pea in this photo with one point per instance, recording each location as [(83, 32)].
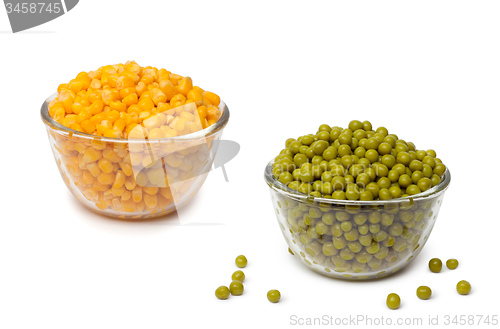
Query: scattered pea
[(435, 265), (393, 301), (273, 296), (463, 287), (222, 292), (424, 292), (241, 261), (452, 264), (236, 288), (238, 276)]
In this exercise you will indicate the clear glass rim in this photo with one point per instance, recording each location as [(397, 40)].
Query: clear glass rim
[(297, 196), (219, 125)]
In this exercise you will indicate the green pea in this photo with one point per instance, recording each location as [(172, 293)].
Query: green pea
[(384, 148), (395, 191), (393, 301), (286, 177), (339, 195), (404, 158), (367, 126), (416, 165), (416, 176), (236, 288), (439, 169), (222, 292), (373, 188), (344, 150), (384, 183), (273, 296), (404, 181), (424, 184), (388, 160), (413, 189), (355, 125), (435, 180), (452, 263), (325, 127), (241, 261), (371, 154), (359, 134), (463, 287), (435, 265), (289, 250), (323, 135), (366, 196)]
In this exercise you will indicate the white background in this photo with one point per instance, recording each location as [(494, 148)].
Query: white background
[(427, 70)]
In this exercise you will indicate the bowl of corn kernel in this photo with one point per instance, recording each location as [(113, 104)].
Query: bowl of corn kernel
[(133, 142)]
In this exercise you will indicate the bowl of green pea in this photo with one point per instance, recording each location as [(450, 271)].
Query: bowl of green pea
[(355, 203)]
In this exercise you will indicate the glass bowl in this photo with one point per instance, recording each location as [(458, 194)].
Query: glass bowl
[(355, 240), (133, 178)]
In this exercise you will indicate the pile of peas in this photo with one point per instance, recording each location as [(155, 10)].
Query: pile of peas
[(356, 163)]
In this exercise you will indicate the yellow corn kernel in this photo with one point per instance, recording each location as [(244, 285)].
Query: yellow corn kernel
[(141, 88), (211, 122), (175, 78), (152, 122), (202, 112), (117, 191), (100, 187), (80, 148), (135, 159), (178, 100), (126, 168), (88, 126), (196, 96), (119, 124), (213, 98), (188, 116), (178, 124), (155, 133), (145, 103), (118, 106), (169, 132), (91, 155), (76, 107), (137, 194), (106, 178), (112, 133), (93, 168), (133, 67), (105, 165), (128, 205), (126, 91), (119, 179), (126, 195), (166, 193), (110, 155), (130, 99), (213, 113), (185, 85), (88, 179), (168, 89), (138, 132), (108, 195), (91, 194), (130, 183), (96, 107), (150, 200), (107, 96), (150, 190), (147, 79), (72, 166), (124, 82)]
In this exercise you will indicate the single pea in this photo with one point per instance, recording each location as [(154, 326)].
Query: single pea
[(366, 196), (393, 301), (367, 126), (463, 287), (324, 136), (424, 292), (424, 184), (241, 261), (435, 265), (236, 288), (452, 264), (286, 177), (344, 150), (222, 292), (371, 155), (273, 296), (240, 276), (413, 189), (325, 127)]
